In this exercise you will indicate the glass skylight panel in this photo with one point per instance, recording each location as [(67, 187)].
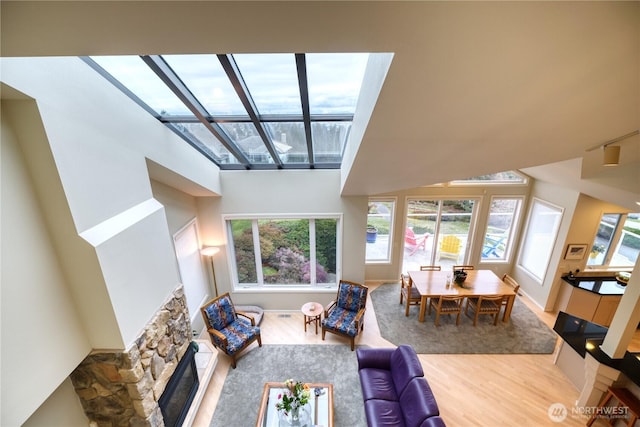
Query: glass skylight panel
[(135, 75), (246, 137), (214, 146), (290, 141), (328, 140), (335, 80), (507, 177), (207, 81), (269, 82), (272, 81)]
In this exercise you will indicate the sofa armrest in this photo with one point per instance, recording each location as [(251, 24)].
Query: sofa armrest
[(379, 358)]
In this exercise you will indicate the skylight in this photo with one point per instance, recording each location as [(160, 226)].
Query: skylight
[(248, 111)]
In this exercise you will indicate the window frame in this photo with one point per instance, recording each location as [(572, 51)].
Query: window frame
[(473, 182), (515, 225), (394, 203), (434, 243), (525, 239), (614, 244), (260, 286)]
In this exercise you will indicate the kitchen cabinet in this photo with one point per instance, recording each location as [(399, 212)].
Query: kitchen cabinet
[(592, 299)]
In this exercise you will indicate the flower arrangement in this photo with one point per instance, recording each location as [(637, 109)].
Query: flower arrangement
[(295, 396)]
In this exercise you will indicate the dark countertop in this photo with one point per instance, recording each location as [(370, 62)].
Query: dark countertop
[(584, 336), (597, 285)]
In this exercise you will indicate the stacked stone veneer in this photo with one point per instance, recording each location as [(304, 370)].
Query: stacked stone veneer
[(123, 388)]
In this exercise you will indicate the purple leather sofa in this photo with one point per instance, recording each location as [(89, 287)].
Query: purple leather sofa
[(394, 389)]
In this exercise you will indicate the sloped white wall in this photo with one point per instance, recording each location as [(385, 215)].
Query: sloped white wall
[(43, 338), (284, 192), (93, 211)]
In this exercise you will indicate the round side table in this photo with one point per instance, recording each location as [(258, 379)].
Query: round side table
[(312, 312)]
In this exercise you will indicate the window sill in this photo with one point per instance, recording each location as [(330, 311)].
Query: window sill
[(329, 289)]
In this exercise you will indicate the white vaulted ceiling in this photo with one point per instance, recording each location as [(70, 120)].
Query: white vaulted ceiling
[(473, 87)]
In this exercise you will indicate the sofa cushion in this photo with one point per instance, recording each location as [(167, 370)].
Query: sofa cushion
[(351, 297), (221, 313), (238, 334), (405, 365), (377, 384), (383, 413), (417, 402), (342, 320)]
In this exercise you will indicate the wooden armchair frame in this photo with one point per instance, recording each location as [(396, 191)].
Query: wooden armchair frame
[(359, 317), (219, 340)]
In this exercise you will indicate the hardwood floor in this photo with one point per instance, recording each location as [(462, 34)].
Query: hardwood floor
[(471, 390)]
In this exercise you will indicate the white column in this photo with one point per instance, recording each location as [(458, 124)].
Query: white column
[(625, 321)]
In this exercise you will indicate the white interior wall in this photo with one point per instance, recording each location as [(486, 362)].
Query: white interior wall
[(86, 147), (284, 192), (62, 409), (563, 198), (43, 338), (102, 166)]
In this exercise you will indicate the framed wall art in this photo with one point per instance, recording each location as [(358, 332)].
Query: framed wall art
[(575, 251)]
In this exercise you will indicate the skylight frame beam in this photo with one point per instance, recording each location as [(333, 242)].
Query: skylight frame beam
[(233, 73), (271, 118), (175, 84), (303, 84), (93, 64)]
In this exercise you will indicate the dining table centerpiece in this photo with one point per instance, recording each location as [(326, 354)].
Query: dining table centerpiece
[(459, 276), (292, 401)]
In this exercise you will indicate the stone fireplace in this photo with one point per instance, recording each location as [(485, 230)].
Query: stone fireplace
[(123, 388)]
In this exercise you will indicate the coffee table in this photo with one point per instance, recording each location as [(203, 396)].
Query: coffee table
[(312, 312), (320, 407)]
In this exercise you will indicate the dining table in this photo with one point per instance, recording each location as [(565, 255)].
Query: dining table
[(433, 284)]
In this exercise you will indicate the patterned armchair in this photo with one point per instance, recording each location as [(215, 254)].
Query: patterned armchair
[(345, 315), (230, 331)]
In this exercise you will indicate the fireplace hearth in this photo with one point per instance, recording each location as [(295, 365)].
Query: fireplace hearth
[(181, 389), (123, 388)]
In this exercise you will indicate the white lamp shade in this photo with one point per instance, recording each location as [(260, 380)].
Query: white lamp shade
[(209, 250)]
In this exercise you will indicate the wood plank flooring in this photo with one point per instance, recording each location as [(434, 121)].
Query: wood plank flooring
[(471, 390)]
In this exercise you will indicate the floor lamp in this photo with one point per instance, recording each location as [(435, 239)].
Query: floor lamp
[(210, 252)]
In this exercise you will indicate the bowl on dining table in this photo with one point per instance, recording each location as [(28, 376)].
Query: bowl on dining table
[(459, 276)]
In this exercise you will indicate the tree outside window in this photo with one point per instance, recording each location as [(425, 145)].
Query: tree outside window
[(284, 251)]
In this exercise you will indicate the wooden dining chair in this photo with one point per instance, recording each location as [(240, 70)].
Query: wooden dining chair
[(430, 268), (486, 304), (463, 267), (404, 282), (446, 304), (408, 293), (511, 282)]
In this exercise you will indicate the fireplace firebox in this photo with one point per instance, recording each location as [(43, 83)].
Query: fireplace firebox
[(180, 390)]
